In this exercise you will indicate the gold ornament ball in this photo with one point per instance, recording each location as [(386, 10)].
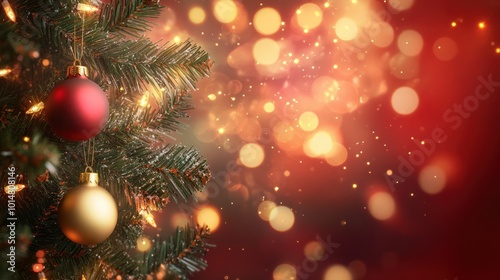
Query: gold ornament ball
[(87, 213)]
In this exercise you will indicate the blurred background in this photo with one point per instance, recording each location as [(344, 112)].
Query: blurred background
[(347, 139)]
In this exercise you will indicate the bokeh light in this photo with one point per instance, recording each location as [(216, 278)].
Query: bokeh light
[(309, 16), (432, 179), (208, 215), (143, 244), (266, 51), (179, 220), (281, 218), (284, 272), (346, 29), (337, 155), (37, 267), (320, 143), (337, 272), (324, 89), (404, 67), (308, 121), (314, 250), (346, 99), (383, 36), (265, 208), (267, 21), (251, 155), (269, 107), (445, 49), (404, 100), (225, 11), (410, 42), (381, 205), (358, 269), (197, 15), (401, 5)]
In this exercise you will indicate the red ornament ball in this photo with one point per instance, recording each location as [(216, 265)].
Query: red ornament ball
[(77, 109)]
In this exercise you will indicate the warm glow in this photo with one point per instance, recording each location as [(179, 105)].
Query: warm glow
[(314, 250), (454, 24), (148, 217), (143, 244), (284, 272), (266, 51), (384, 37), (14, 188), (35, 108), (8, 10), (445, 49), (381, 206), (197, 15), (4, 72), (481, 25), (265, 208), (208, 216), (410, 43), (269, 107), (432, 179), (308, 121), (144, 100), (404, 100), (346, 29), (320, 143), (251, 155), (337, 272), (37, 267), (86, 8), (267, 21), (497, 50), (179, 220), (225, 11), (337, 155), (309, 16), (324, 89), (212, 97), (401, 5), (281, 218)]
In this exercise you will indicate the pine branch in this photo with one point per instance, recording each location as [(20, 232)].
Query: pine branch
[(128, 17), (183, 254), (167, 172), (128, 120), (177, 66)]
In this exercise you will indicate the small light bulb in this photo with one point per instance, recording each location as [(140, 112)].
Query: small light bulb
[(148, 217), (144, 100), (4, 72), (35, 108), (86, 8), (8, 10), (15, 188)]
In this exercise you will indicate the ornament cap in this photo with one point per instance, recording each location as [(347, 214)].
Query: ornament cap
[(89, 178), (75, 70)]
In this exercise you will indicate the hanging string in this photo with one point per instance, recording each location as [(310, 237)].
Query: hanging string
[(76, 57), (88, 154)]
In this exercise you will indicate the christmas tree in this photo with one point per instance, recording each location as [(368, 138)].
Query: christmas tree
[(44, 147)]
